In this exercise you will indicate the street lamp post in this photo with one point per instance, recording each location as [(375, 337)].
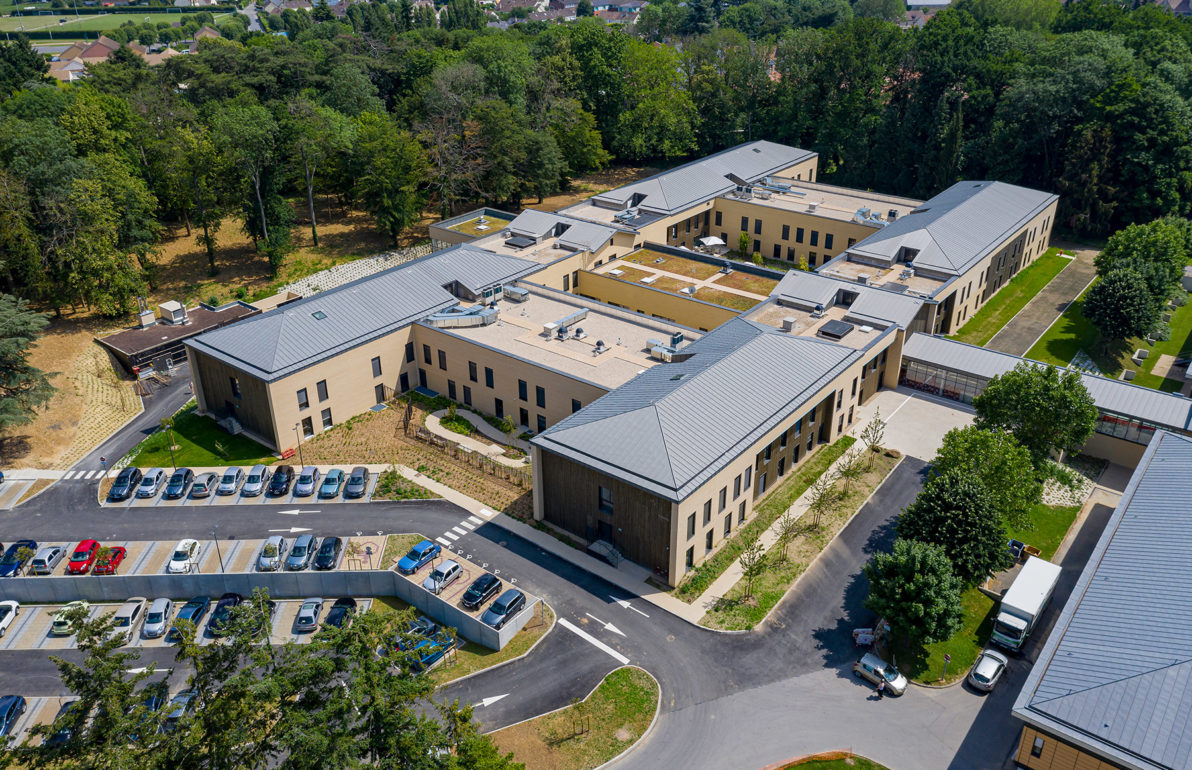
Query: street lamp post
[(219, 553), (298, 435)]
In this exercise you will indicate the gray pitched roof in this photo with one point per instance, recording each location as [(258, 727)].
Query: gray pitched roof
[(278, 343), (871, 305), (958, 227), (577, 233), (1169, 410), (1116, 672), (675, 425), (699, 180)]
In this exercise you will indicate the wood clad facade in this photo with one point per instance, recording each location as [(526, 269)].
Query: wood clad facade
[(217, 396), (1040, 751)]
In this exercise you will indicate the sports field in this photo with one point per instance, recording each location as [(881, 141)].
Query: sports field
[(70, 23)]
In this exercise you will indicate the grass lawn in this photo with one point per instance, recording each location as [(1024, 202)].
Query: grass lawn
[(590, 733), (779, 499), (926, 663), (688, 268), (458, 424), (475, 228), (201, 443), (396, 546), (747, 282), (725, 299), (841, 763), (89, 23), (733, 612), (1072, 332), (990, 319)]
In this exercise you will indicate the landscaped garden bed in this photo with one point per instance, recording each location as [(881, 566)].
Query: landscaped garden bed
[(391, 485)]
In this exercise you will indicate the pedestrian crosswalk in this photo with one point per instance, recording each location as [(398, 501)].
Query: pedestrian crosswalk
[(80, 475)]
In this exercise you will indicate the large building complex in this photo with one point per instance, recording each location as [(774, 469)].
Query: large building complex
[(668, 389)]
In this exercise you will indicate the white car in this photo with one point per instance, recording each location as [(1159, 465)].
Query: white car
[(988, 670), (128, 617), (185, 557), (8, 613)]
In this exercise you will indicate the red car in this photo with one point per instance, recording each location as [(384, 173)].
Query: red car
[(108, 566), (82, 558)]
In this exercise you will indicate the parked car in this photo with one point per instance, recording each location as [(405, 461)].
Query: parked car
[(257, 481), (47, 559), (421, 627), (307, 481), (108, 564), (204, 485), (151, 482), (180, 481), (418, 556), (308, 615), (329, 551), (430, 651), (482, 589), (875, 670), (82, 558), (442, 576), (126, 483), (341, 612), (62, 626), (153, 698), (218, 624), (302, 552), (230, 482), (131, 613), (193, 611), (265, 625), (11, 708), (157, 619), (9, 610), (505, 607), (279, 482), (14, 559), (180, 706), (66, 729), (273, 551), (331, 483), (988, 670), (185, 557), (357, 483)]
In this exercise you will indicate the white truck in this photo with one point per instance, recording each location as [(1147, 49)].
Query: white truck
[(1024, 602)]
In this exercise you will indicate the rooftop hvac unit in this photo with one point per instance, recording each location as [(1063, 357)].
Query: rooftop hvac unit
[(676, 339), (574, 318), (515, 294), (579, 333), (788, 324), (865, 329), (600, 348), (818, 312), (812, 205), (173, 312), (146, 319), (863, 279), (689, 290), (662, 353), (892, 214), (906, 274)]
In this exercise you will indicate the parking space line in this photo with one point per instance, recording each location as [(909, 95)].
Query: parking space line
[(444, 541), (14, 634), (593, 640), (230, 554), (144, 557)]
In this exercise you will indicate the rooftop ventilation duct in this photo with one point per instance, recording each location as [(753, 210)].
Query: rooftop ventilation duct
[(460, 317)]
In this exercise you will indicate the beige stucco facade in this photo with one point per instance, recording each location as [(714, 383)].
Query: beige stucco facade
[(687, 311)]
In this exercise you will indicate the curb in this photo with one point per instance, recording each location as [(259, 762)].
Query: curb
[(495, 666), (649, 728), (937, 686), (818, 756), (1022, 309)]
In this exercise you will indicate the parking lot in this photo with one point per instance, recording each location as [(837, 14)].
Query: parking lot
[(238, 498)]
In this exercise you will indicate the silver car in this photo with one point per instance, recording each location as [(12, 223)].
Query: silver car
[(307, 482), (157, 619), (272, 552), (442, 576), (230, 481), (308, 615), (151, 482), (128, 617), (302, 552), (47, 559), (988, 670), (876, 670), (257, 481)]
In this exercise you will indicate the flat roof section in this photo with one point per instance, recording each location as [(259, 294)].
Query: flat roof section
[(478, 224), (801, 323), (665, 270), (897, 278), (828, 201), (519, 332)]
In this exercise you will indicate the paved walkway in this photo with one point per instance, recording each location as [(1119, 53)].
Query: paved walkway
[(492, 451), (1022, 331)]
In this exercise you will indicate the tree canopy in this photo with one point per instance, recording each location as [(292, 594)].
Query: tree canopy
[(955, 512), (913, 588), (1000, 463)]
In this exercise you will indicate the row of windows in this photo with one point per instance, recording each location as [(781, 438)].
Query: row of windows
[(812, 256), (800, 233), (1130, 429), (308, 427), (741, 482), (321, 389), (939, 381)]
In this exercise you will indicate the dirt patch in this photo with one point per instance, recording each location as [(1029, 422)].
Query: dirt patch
[(35, 488), (587, 186)]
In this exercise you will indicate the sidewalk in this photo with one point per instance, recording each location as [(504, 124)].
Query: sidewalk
[(1022, 331), (495, 452)]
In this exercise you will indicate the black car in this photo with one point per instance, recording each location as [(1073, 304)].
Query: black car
[(193, 610), (12, 563), (282, 478), (357, 482), (217, 626), (66, 726), (153, 698), (482, 589), (505, 607), (179, 483), (341, 612), (329, 551), (126, 483), (11, 708)]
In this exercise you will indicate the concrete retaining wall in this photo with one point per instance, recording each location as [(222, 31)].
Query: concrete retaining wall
[(280, 585)]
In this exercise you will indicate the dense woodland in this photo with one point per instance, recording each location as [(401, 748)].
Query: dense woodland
[(388, 112)]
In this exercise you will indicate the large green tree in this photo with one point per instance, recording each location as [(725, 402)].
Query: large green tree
[(956, 512), (23, 387), (655, 120), (391, 168), (316, 134), (1121, 306), (20, 64), (1157, 251), (1000, 463), (913, 588)]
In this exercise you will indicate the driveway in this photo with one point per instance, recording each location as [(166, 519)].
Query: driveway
[(1021, 331)]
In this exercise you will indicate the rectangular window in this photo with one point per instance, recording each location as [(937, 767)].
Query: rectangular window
[(541, 423), (811, 259), (782, 442), (854, 386), (724, 237), (498, 407), (851, 241), (606, 500), (757, 227), (575, 405), (409, 352), (728, 525), (757, 246), (688, 226), (741, 513), (737, 487), (827, 240), (723, 499), (426, 355), (811, 417), (798, 235), (690, 558), (748, 476), (303, 401), (467, 395), (815, 237), (327, 423), (708, 541), (235, 387), (472, 371), (745, 224), (321, 387), (839, 397), (376, 366), (777, 251), (523, 417), (540, 396), (443, 360), (718, 219), (575, 279), (488, 377), (451, 389), (786, 232), (691, 526), (708, 512), (769, 451), (761, 483), (522, 390), (1037, 747), (790, 253), (566, 283), (308, 427), (798, 426)]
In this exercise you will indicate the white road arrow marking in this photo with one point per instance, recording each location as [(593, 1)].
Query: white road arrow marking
[(140, 670), (292, 530), (582, 634), (492, 699), (626, 605), (294, 512), (607, 626)]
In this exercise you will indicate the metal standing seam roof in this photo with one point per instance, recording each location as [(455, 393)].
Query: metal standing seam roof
[(676, 425), (955, 229), (1116, 673), (700, 180), (871, 304), (1169, 410), (578, 234), (283, 341)]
